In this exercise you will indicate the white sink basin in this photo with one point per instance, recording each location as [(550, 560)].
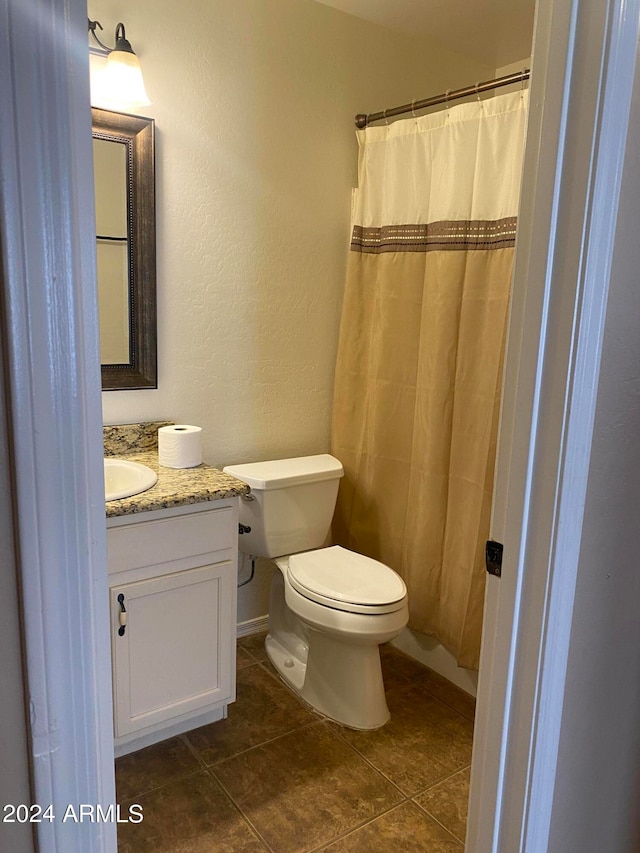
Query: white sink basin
[(124, 478)]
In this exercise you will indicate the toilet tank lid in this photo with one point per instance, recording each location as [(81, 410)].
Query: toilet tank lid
[(280, 473)]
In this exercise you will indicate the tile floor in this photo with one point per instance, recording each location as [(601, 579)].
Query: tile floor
[(275, 776)]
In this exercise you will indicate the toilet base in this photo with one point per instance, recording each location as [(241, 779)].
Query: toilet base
[(351, 694), (344, 682)]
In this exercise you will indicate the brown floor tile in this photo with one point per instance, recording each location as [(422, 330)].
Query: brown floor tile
[(448, 802), (190, 816), (264, 709), (152, 767), (403, 829), (424, 742), (254, 644), (305, 788)]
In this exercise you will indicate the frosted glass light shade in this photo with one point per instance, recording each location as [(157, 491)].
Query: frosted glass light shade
[(122, 81)]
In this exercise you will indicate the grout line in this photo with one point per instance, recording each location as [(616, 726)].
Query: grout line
[(256, 662), (359, 826), (433, 787), (252, 655), (439, 822), (164, 785), (372, 765), (442, 781), (263, 743), (251, 662), (194, 751), (245, 649), (446, 704)]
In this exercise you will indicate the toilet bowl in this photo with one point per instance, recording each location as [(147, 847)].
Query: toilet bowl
[(330, 608)]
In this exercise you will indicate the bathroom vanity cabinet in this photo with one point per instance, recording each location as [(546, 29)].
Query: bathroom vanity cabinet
[(172, 591)]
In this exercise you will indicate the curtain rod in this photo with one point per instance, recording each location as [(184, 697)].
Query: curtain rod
[(363, 119)]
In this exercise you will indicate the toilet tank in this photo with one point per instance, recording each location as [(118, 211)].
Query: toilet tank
[(291, 503)]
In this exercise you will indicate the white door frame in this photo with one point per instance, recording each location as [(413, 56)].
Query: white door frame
[(583, 66), (50, 329), (574, 157)]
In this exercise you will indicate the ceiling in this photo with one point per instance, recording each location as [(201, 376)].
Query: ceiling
[(497, 32)]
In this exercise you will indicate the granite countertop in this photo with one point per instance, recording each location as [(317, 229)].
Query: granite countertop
[(175, 486)]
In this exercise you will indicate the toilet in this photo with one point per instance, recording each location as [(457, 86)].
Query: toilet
[(330, 608)]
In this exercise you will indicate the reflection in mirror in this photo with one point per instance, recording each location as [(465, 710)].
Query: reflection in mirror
[(110, 177), (124, 183)]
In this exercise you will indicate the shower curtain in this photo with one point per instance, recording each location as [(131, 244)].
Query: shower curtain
[(419, 367)]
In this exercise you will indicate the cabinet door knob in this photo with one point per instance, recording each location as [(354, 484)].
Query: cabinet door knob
[(122, 616)]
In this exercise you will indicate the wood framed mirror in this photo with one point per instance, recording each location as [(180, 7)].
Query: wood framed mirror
[(124, 178)]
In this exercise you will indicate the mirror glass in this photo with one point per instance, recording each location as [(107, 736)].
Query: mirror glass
[(110, 177), (124, 181)]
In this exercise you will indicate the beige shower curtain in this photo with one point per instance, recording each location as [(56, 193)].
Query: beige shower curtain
[(418, 377)]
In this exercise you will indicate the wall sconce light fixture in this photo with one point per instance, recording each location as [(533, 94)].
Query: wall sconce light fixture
[(118, 84)]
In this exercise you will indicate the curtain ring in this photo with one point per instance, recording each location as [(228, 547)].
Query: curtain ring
[(413, 109), (384, 116), (477, 92)]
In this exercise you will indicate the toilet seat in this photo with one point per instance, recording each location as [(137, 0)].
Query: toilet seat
[(344, 580)]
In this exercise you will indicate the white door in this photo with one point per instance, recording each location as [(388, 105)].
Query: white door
[(583, 65)]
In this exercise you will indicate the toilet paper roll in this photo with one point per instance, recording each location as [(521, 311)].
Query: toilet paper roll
[(180, 446)]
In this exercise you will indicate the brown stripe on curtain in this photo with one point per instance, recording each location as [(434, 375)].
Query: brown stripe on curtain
[(452, 235)]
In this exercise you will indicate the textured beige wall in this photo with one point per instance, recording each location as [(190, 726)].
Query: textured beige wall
[(256, 156)]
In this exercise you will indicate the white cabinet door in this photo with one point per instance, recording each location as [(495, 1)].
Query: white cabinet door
[(173, 656)]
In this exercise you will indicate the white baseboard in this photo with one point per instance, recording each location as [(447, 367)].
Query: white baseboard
[(252, 626), (428, 651)]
